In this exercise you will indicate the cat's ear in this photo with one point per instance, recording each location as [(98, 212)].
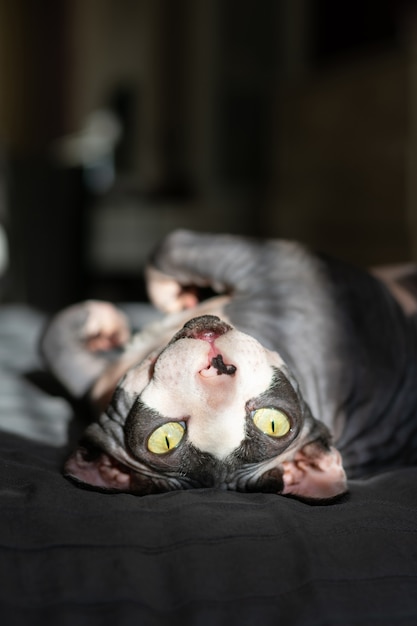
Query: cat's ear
[(315, 471), (92, 467)]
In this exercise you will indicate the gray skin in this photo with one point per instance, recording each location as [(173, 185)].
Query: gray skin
[(324, 343)]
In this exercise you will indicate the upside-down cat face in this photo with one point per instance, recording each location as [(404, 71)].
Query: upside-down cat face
[(214, 408)]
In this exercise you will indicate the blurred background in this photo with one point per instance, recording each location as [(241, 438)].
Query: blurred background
[(123, 119)]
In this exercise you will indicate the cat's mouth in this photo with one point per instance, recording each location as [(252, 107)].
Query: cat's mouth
[(205, 328), (208, 328)]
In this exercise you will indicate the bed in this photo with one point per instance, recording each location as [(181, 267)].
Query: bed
[(200, 557)]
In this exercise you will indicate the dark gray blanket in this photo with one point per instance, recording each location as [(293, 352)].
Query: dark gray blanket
[(203, 557)]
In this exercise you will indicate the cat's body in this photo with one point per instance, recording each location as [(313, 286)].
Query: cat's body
[(301, 358)]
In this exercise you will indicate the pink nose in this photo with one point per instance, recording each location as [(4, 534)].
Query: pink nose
[(217, 367)]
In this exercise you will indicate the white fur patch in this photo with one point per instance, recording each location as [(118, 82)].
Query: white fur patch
[(212, 406)]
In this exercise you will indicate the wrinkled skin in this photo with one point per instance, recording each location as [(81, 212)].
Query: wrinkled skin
[(266, 387)]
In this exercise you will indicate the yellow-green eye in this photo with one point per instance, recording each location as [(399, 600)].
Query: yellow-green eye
[(272, 422), (166, 438)]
